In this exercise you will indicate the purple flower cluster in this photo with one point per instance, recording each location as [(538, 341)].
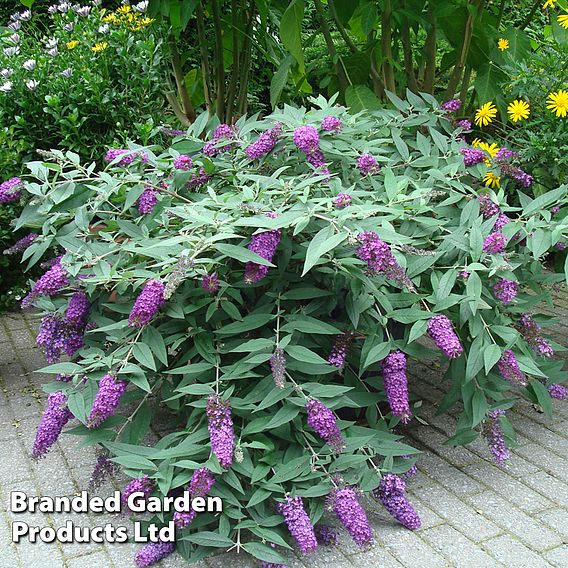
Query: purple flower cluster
[(265, 143), (278, 367), (200, 484), (367, 164), (11, 190), (464, 124), (148, 304), (495, 243), (173, 132), (210, 283), (264, 244), (505, 290), (103, 469), (152, 553), (331, 124), (78, 310), (21, 244), (323, 421), (342, 200), (221, 429), (107, 400), (183, 162), (559, 392), (532, 332), (198, 179), (509, 369), (144, 485), (560, 245), (56, 336), (298, 523), (380, 259), (487, 206), (441, 330), (222, 132), (493, 433), (504, 157), (326, 535), (128, 156), (472, 156), (307, 139), (147, 200), (396, 385), (54, 418), (351, 515), (392, 494), (339, 349), (49, 284), (452, 105)]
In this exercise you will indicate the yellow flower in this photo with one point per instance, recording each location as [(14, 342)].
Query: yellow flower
[(491, 180), (476, 142), (558, 102), (72, 44), (101, 46), (503, 44), (563, 20), (110, 19), (491, 149), (124, 9), (485, 114), (147, 21), (518, 110), (549, 4)]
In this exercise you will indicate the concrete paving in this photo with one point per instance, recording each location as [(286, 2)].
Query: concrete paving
[(473, 512)]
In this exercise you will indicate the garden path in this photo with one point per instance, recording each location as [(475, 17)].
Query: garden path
[(474, 514)]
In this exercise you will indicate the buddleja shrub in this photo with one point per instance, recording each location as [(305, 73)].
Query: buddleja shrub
[(267, 287)]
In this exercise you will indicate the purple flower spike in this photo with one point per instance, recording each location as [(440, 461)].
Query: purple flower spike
[(472, 156), (200, 484), (278, 367), (487, 207), (391, 493), (505, 290), (495, 243), (152, 553), (54, 418), (351, 515), (21, 244), (222, 132), (147, 201), (464, 124), (148, 304), (441, 330), (107, 400), (11, 190), (49, 284), (55, 336), (331, 124), (493, 433), (210, 283), (78, 310), (559, 392), (323, 421), (221, 429), (367, 164), (532, 333), (342, 200), (129, 156), (264, 244), (307, 139), (265, 143), (298, 523), (509, 369), (103, 469), (199, 179), (452, 105), (183, 162), (396, 385), (339, 350), (143, 485)]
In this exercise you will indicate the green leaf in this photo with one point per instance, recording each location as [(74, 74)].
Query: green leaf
[(291, 470), (360, 97), (463, 437), (542, 396), (305, 355), (306, 324), (264, 552), (283, 416), (291, 31), (478, 408), (491, 354), (377, 353), (323, 242), (417, 330), (209, 538), (474, 358), (241, 253), (61, 368), (279, 80), (252, 321), (143, 355)]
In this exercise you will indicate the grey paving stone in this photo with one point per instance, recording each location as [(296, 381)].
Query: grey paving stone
[(546, 484), (558, 557), (448, 476), (459, 514), (457, 548), (557, 519), (95, 560), (377, 557), (512, 553), (324, 558), (14, 465), (552, 463), (513, 490), (458, 456), (525, 528)]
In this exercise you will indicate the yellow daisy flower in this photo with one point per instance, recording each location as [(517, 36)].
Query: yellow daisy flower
[(72, 44), (491, 149), (503, 44), (491, 180), (476, 142), (563, 20), (101, 46), (124, 9), (110, 19), (485, 114), (558, 102), (147, 21), (518, 110), (549, 4)]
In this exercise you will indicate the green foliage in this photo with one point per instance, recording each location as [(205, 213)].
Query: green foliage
[(422, 203)]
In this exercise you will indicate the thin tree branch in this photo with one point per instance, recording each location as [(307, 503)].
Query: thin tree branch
[(430, 52), (219, 60), (341, 28), (205, 69), (186, 105), (386, 46)]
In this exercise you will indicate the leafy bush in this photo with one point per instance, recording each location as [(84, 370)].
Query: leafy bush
[(81, 78), (267, 292)]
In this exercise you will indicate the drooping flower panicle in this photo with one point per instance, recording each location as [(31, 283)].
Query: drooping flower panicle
[(278, 367), (509, 369), (153, 552), (323, 421), (351, 515), (220, 424), (392, 494), (265, 143), (339, 349), (505, 290), (107, 400), (11, 190), (55, 417), (144, 485), (298, 523), (442, 332), (200, 484), (264, 244), (493, 433), (396, 385), (148, 304)]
